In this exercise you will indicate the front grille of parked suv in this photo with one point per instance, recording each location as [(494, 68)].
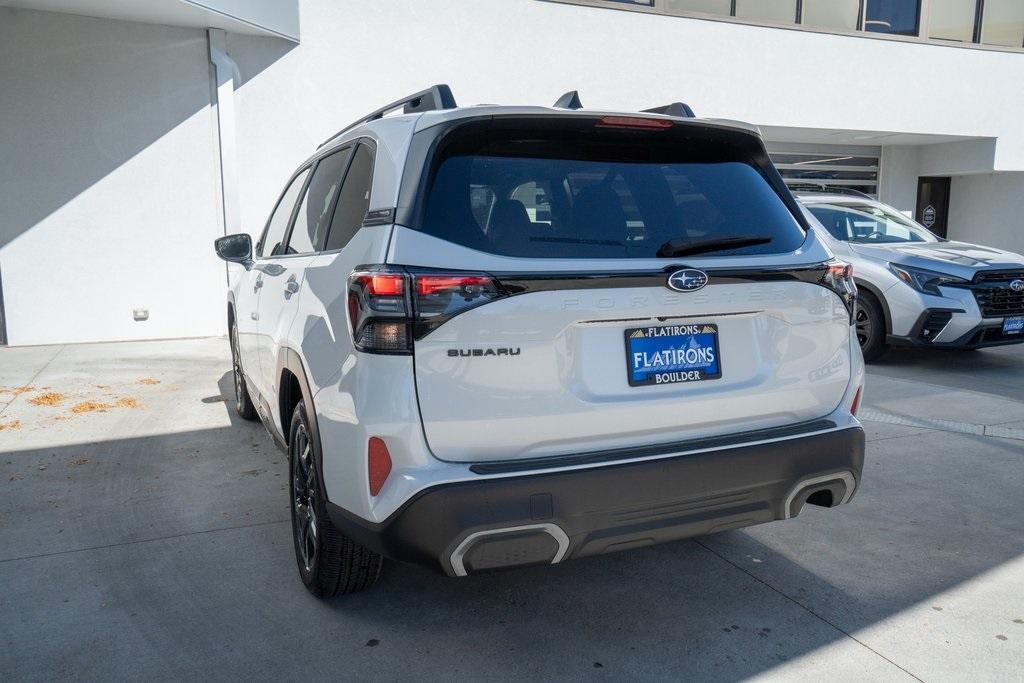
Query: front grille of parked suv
[(996, 298)]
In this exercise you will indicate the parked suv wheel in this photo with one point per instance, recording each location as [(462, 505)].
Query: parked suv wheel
[(329, 562), (870, 327), (243, 401)]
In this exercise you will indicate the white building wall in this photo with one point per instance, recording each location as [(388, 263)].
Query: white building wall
[(108, 180), (988, 208), (355, 56), (898, 176), (108, 185)]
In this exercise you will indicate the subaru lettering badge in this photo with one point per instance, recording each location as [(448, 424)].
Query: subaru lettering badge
[(1017, 285), (689, 280)]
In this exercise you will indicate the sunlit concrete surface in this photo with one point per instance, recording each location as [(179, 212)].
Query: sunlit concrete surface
[(147, 536)]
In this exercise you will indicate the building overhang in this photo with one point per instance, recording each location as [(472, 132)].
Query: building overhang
[(279, 18)]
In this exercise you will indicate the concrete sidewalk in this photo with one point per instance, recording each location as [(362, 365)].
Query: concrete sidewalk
[(144, 533)]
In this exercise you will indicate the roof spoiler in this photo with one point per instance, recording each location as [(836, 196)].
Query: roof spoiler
[(678, 109), (433, 98)]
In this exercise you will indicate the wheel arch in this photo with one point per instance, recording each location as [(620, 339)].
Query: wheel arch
[(877, 295), (293, 386)]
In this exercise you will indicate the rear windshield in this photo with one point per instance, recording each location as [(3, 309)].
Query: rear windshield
[(597, 193)]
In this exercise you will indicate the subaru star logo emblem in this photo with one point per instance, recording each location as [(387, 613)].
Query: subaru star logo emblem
[(1017, 285), (689, 280)]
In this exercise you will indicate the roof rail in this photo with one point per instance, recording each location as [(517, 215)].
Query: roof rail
[(570, 100), (432, 99), (678, 109), (824, 188)]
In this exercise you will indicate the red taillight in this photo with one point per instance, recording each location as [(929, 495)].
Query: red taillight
[(855, 406), (389, 306), (638, 122), (386, 284), (839, 278), (427, 285), (378, 462), (843, 270)]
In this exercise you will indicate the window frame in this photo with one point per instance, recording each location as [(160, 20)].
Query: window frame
[(370, 144), (315, 164), (657, 7), (306, 166)]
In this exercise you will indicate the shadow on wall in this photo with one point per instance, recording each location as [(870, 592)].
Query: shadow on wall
[(82, 96)]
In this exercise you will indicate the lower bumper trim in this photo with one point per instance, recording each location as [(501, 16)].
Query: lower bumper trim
[(616, 506)]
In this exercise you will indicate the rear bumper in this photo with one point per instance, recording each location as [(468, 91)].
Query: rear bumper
[(548, 517)]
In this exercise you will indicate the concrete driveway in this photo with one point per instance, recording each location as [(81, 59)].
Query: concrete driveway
[(144, 533)]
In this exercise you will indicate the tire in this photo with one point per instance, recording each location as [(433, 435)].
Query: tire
[(330, 563), (870, 323), (243, 401)]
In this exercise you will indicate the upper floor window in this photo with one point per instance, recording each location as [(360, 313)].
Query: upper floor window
[(843, 15), (953, 20), (1002, 23), (899, 17), (985, 22)]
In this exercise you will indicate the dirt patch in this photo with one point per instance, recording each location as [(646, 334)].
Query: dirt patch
[(148, 380), (13, 424), (78, 462), (49, 398), (17, 391), (128, 402), (91, 407)]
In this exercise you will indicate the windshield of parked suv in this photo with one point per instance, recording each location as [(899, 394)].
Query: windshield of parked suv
[(607, 195), (869, 224)]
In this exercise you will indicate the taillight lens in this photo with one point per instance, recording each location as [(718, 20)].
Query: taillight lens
[(390, 306), (839, 278)]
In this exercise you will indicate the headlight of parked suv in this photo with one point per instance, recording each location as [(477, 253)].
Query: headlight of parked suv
[(926, 281)]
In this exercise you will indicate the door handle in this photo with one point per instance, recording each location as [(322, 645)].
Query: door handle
[(291, 287), (259, 283)]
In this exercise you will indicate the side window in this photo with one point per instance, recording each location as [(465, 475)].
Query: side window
[(311, 222), (354, 199), (273, 235)]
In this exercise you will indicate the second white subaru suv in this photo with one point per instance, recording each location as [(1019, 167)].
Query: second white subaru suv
[(498, 336)]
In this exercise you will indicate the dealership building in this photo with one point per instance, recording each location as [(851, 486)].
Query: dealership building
[(133, 133)]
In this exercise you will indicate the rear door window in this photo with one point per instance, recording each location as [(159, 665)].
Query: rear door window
[(605, 195), (354, 199), (309, 233)]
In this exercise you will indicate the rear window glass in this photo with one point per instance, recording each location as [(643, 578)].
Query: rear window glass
[(605, 195)]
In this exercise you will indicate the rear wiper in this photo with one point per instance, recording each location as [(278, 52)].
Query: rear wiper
[(681, 247)]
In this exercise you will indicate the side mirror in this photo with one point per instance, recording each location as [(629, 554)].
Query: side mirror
[(234, 248)]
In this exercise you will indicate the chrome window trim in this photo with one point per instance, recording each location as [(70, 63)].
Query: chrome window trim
[(921, 39)]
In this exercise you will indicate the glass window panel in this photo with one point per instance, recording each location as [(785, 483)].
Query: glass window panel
[(645, 3), (273, 234), (837, 14), (706, 6), (781, 11), (897, 17), (952, 20), (1002, 23), (310, 230)]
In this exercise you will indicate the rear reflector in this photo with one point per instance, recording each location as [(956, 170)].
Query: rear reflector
[(633, 122), (855, 406), (379, 464)]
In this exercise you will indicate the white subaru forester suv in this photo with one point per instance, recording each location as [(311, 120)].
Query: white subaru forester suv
[(500, 336)]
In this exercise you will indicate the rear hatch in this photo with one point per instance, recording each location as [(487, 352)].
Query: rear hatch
[(584, 283)]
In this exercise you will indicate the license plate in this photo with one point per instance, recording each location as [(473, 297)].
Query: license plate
[(1013, 325), (671, 354)]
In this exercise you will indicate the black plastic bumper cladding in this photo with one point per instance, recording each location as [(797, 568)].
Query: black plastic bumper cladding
[(604, 509)]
